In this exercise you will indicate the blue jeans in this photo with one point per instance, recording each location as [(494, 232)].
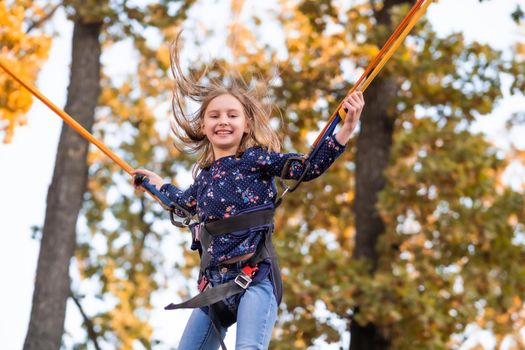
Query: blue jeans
[(256, 316)]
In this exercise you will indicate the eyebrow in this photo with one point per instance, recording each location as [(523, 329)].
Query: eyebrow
[(229, 110)]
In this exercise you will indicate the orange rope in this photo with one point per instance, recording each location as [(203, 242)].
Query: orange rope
[(383, 56), (388, 44), (68, 119), (394, 47)]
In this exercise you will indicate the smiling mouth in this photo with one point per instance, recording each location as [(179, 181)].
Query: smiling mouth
[(223, 132)]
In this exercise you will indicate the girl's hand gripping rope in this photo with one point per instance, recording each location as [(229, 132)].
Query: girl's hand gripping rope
[(148, 181), (350, 112), (153, 179), (352, 107)]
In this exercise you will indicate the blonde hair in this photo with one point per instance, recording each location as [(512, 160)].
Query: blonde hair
[(187, 128)]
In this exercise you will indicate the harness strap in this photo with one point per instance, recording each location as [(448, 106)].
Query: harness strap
[(216, 324), (212, 295), (241, 222), (264, 259)]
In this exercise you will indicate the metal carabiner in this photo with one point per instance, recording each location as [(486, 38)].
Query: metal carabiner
[(284, 174), (164, 201)]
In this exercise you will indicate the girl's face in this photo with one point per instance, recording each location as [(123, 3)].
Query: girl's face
[(224, 125)]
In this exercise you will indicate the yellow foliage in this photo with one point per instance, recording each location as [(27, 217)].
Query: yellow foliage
[(520, 48), (23, 53), (163, 56), (237, 6), (299, 343)]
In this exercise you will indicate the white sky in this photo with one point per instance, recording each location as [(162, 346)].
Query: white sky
[(29, 161)]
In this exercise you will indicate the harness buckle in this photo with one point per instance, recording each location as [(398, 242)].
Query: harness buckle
[(243, 280)]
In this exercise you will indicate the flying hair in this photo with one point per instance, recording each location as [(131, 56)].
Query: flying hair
[(187, 126)]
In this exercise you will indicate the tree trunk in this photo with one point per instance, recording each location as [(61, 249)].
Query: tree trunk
[(64, 198), (373, 152)]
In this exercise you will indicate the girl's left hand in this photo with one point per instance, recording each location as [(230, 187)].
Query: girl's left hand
[(354, 104)]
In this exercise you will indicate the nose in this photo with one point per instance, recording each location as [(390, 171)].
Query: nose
[(224, 120)]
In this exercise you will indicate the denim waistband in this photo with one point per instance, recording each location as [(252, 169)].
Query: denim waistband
[(223, 273), (237, 266)]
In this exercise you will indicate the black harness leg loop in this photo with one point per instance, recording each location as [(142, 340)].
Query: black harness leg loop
[(216, 324)]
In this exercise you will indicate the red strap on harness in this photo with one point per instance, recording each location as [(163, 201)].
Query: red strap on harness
[(249, 270), (203, 284)]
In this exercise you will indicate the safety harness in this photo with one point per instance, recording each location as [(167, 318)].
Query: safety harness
[(258, 267)]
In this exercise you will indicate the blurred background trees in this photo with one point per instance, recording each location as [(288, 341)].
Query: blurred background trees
[(411, 239), (24, 51)]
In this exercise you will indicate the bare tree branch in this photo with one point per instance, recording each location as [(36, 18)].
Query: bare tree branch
[(92, 334), (373, 7), (38, 23)]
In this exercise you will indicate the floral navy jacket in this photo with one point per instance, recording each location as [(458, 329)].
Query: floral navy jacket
[(232, 186)]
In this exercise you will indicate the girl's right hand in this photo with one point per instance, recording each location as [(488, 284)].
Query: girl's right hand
[(154, 179)]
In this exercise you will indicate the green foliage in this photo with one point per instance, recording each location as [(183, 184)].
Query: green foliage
[(518, 14), (443, 184), (127, 261), (120, 255), (450, 242)]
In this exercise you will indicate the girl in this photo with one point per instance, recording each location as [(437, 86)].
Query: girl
[(233, 196)]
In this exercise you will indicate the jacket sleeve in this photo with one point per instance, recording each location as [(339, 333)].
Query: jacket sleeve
[(272, 163), (186, 199)]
